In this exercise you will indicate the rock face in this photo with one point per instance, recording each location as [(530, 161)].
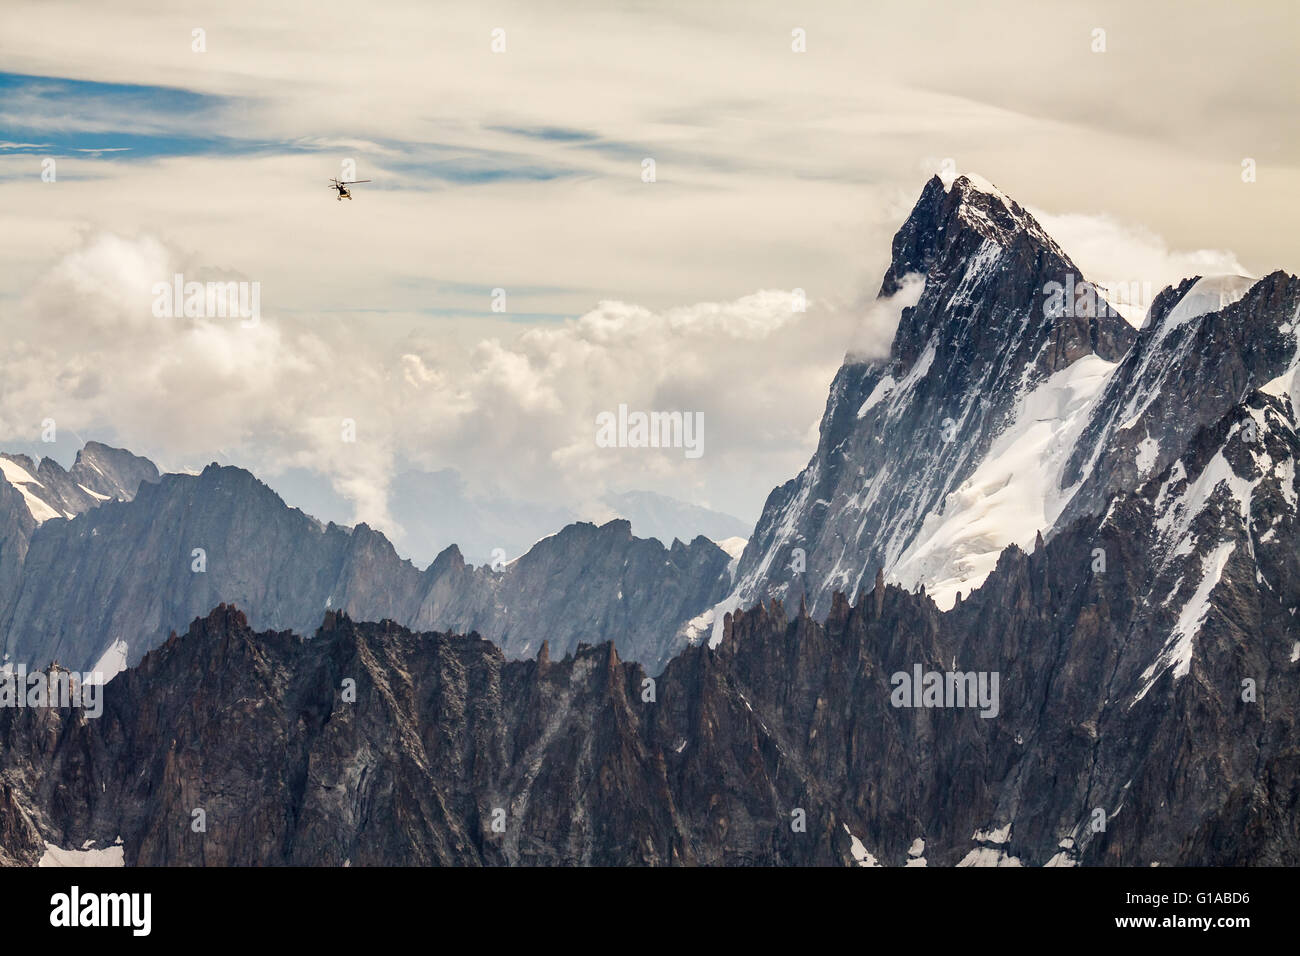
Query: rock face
[(16, 527), (1014, 402), (133, 571), (98, 474), (1205, 346), (1120, 732), (899, 436), (585, 584), (32, 494)]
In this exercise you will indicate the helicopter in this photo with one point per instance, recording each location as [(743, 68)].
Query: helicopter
[(342, 187)]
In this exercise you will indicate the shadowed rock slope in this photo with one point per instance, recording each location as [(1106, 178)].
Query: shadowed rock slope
[(1123, 731)]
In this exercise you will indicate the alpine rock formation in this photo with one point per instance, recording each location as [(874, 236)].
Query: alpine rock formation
[(1015, 399), (94, 579), (31, 494), (1096, 523)]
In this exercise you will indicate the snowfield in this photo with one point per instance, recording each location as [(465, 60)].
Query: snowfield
[(1014, 493)]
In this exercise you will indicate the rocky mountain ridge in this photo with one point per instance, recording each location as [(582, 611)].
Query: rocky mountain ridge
[(117, 578), (1015, 401), (368, 744)]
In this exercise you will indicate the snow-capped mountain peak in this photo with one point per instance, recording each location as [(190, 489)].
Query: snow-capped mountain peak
[(978, 351), (999, 416)]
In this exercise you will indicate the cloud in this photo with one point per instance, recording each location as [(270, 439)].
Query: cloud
[(874, 333), (1134, 262), (514, 412), (512, 408)]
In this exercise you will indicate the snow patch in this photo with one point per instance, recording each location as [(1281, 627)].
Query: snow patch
[(697, 626), (1177, 505), (915, 853), (1175, 514), (980, 184), (24, 481), (54, 856), (860, 853), (93, 494), (981, 265), (1177, 652), (1208, 294), (998, 835), (988, 856), (1013, 494), (1148, 450), (878, 395), (919, 370), (111, 663), (733, 546)]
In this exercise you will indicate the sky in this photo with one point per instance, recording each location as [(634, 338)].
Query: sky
[(199, 138)]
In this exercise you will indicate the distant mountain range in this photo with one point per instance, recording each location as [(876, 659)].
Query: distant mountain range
[(103, 561), (438, 509)]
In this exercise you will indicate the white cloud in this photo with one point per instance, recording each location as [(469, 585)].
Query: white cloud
[(1133, 261), (874, 333), (515, 411)]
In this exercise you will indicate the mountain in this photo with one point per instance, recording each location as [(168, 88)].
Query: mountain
[(1015, 400), (1032, 602), (101, 589), (437, 509), (432, 510), (665, 518), (1146, 715), (368, 744), (586, 584), (1204, 347), (32, 494), (100, 473)]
